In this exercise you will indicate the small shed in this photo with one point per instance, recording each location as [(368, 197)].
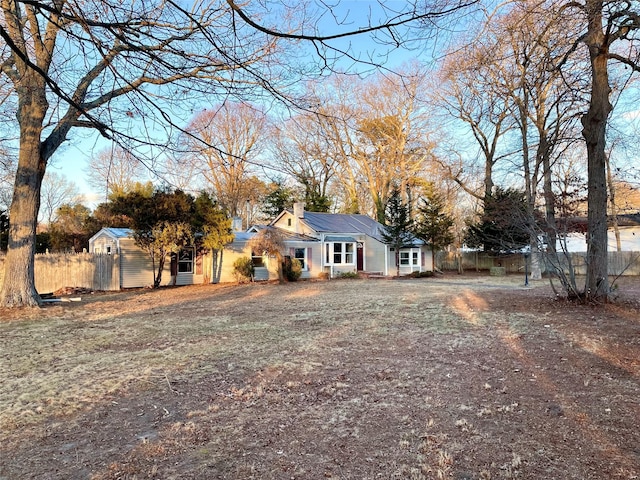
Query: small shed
[(136, 269)]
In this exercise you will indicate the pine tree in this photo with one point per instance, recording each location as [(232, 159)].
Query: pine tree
[(433, 225), (398, 225)]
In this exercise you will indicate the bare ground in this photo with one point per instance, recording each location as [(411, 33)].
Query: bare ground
[(461, 377)]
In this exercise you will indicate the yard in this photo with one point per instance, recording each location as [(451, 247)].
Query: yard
[(461, 377)]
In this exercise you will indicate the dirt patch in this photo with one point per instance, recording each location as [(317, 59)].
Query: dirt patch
[(462, 377)]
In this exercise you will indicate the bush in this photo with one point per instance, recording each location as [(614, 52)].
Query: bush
[(421, 274), (243, 269), (348, 275), (291, 268)]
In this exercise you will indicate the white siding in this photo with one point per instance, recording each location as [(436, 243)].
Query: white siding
[(374, 255)]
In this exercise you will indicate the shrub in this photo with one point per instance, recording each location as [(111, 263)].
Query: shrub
[(243, 269), (348, 275), (421, 274), (291, 268)]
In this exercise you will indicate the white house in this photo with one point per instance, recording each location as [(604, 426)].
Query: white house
[(628, 232), (324, 243), (347, 243)]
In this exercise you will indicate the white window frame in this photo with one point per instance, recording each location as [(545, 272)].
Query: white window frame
[(346, 253), (303, 259), (411, 258)]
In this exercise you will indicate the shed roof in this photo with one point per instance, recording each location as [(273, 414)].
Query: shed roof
[(119, 232), (115, 233)]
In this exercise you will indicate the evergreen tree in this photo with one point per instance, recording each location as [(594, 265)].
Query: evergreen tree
[(433, 225), (504, 225), (398, 225), (279, 198)]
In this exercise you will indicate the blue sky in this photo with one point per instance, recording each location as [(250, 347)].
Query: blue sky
[(71, 159)]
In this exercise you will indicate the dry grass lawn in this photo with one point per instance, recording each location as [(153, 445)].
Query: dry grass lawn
[(455, 377)]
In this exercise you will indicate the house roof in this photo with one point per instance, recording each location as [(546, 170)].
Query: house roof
[(343, 223), (118, 232), (286, 234), (115, 233)]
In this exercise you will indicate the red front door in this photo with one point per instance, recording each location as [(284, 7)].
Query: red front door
[(360, 256)]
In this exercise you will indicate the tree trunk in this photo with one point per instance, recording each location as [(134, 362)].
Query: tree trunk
[(158, 276), (594, 124), (19, 280), (614, 206)]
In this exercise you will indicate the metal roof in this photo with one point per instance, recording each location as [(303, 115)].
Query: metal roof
[(118, 232), (343, 223)]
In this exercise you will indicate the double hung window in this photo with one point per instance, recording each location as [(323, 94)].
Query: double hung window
[(409, 258), (301, 255), (185, 261), (340, 253)]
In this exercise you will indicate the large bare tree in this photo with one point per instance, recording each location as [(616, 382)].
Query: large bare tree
[(223, 144), (470, 92), (610, 31)]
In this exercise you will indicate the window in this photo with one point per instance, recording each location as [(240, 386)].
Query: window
[(108, 249), (257, 260), (409, 258), (348, 255), (339, 253), (301, 255), (185, 261)]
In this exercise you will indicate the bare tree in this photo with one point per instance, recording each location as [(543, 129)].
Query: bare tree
[(302, 150), (610, 34), (223, 145), (469, 79), (57, 190), (114, 171), (545, 102)]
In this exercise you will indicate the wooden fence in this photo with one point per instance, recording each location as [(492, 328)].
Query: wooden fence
[(620, 263), (85, 270), (102, 271)]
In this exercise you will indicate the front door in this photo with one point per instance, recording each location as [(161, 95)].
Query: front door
[(360, 256)]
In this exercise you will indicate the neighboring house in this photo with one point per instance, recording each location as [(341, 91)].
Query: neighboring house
[(628, 229), (340, 243), (324, 243)]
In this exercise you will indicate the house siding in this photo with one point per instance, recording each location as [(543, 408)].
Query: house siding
[(136, 269), (312, 257), (374, 256), (224, 263)]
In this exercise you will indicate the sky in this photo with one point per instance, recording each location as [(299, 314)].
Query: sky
[(72, 159)]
